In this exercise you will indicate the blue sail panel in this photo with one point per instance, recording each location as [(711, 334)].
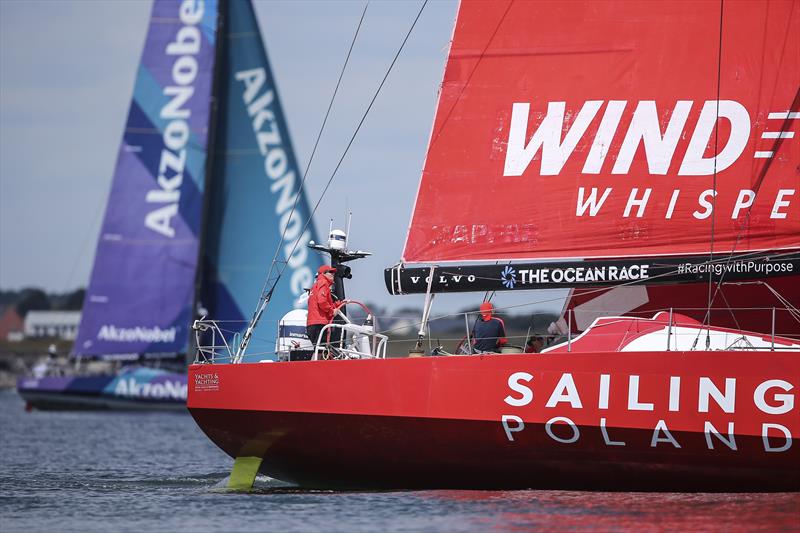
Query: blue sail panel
[(256, 181), (141, 292)]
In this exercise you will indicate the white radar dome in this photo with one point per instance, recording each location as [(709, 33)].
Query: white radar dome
[(337, 240)]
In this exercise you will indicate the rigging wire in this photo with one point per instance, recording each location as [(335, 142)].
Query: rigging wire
[(266, 294), (366, 112), (99, 212), (746, 224), (707, 317), (713, 291), (319, 136), (776, 145)]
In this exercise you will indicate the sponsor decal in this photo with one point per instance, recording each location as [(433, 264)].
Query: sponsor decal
[(770, 397), (589, 204), (644, 128), (298, 332), (162, 390), (584, 274), (185, 68), (136, 334), (508, 277), (443, 278), (259, 99), (559, 132), (206, 381), (738, 267), (589, 273)]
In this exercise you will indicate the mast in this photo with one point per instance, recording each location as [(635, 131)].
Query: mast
[(215, 107)]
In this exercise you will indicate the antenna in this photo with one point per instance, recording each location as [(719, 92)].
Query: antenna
[(347, 235)]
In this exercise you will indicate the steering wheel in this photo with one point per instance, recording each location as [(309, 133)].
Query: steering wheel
[(463, 347)]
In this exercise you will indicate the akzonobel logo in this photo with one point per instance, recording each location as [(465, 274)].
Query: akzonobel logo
[(137, 334), (185, 47), (259, 98)]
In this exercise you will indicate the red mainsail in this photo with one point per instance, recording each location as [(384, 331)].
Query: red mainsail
[(589, 129)]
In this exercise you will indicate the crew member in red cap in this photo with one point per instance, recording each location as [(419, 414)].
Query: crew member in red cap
[(489, 333), (320, 303)]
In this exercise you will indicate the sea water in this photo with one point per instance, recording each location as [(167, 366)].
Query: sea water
[(111, 471)]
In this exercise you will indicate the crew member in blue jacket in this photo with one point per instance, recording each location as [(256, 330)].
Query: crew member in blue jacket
[(489, 332)]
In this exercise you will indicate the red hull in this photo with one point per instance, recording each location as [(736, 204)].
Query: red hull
[(437, 421)]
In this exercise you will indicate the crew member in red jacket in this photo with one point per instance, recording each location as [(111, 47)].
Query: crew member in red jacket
[(320, 303)]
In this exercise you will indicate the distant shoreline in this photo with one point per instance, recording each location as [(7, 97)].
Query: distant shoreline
[(18, 358)]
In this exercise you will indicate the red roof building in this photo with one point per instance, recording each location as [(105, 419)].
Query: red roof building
[(10, 323)]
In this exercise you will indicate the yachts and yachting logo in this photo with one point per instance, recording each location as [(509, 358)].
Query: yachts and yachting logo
[(206, 381), (508, 277)]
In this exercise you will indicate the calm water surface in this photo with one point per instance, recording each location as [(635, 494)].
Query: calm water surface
[(157, 472)]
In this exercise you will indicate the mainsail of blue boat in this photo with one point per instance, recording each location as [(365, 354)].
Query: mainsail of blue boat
[(205, 186)]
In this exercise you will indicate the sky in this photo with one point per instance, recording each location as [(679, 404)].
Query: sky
[(67, 69)]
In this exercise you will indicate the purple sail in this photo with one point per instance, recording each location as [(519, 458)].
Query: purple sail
[(141, 295)]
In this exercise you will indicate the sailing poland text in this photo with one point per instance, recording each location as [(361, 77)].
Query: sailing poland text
[(586, 398), (259, 97), (184, 47), (659, 150)]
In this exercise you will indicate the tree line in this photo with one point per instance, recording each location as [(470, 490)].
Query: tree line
[(35, 299)]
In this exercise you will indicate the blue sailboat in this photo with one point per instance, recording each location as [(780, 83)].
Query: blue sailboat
[(203, 190)]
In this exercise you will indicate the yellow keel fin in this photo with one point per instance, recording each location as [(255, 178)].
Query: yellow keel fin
[(244, 473)]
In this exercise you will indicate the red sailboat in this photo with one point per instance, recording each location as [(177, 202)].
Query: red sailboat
[(644, 154)]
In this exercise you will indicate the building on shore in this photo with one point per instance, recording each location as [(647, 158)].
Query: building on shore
[(52, 324), (11, 324)]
